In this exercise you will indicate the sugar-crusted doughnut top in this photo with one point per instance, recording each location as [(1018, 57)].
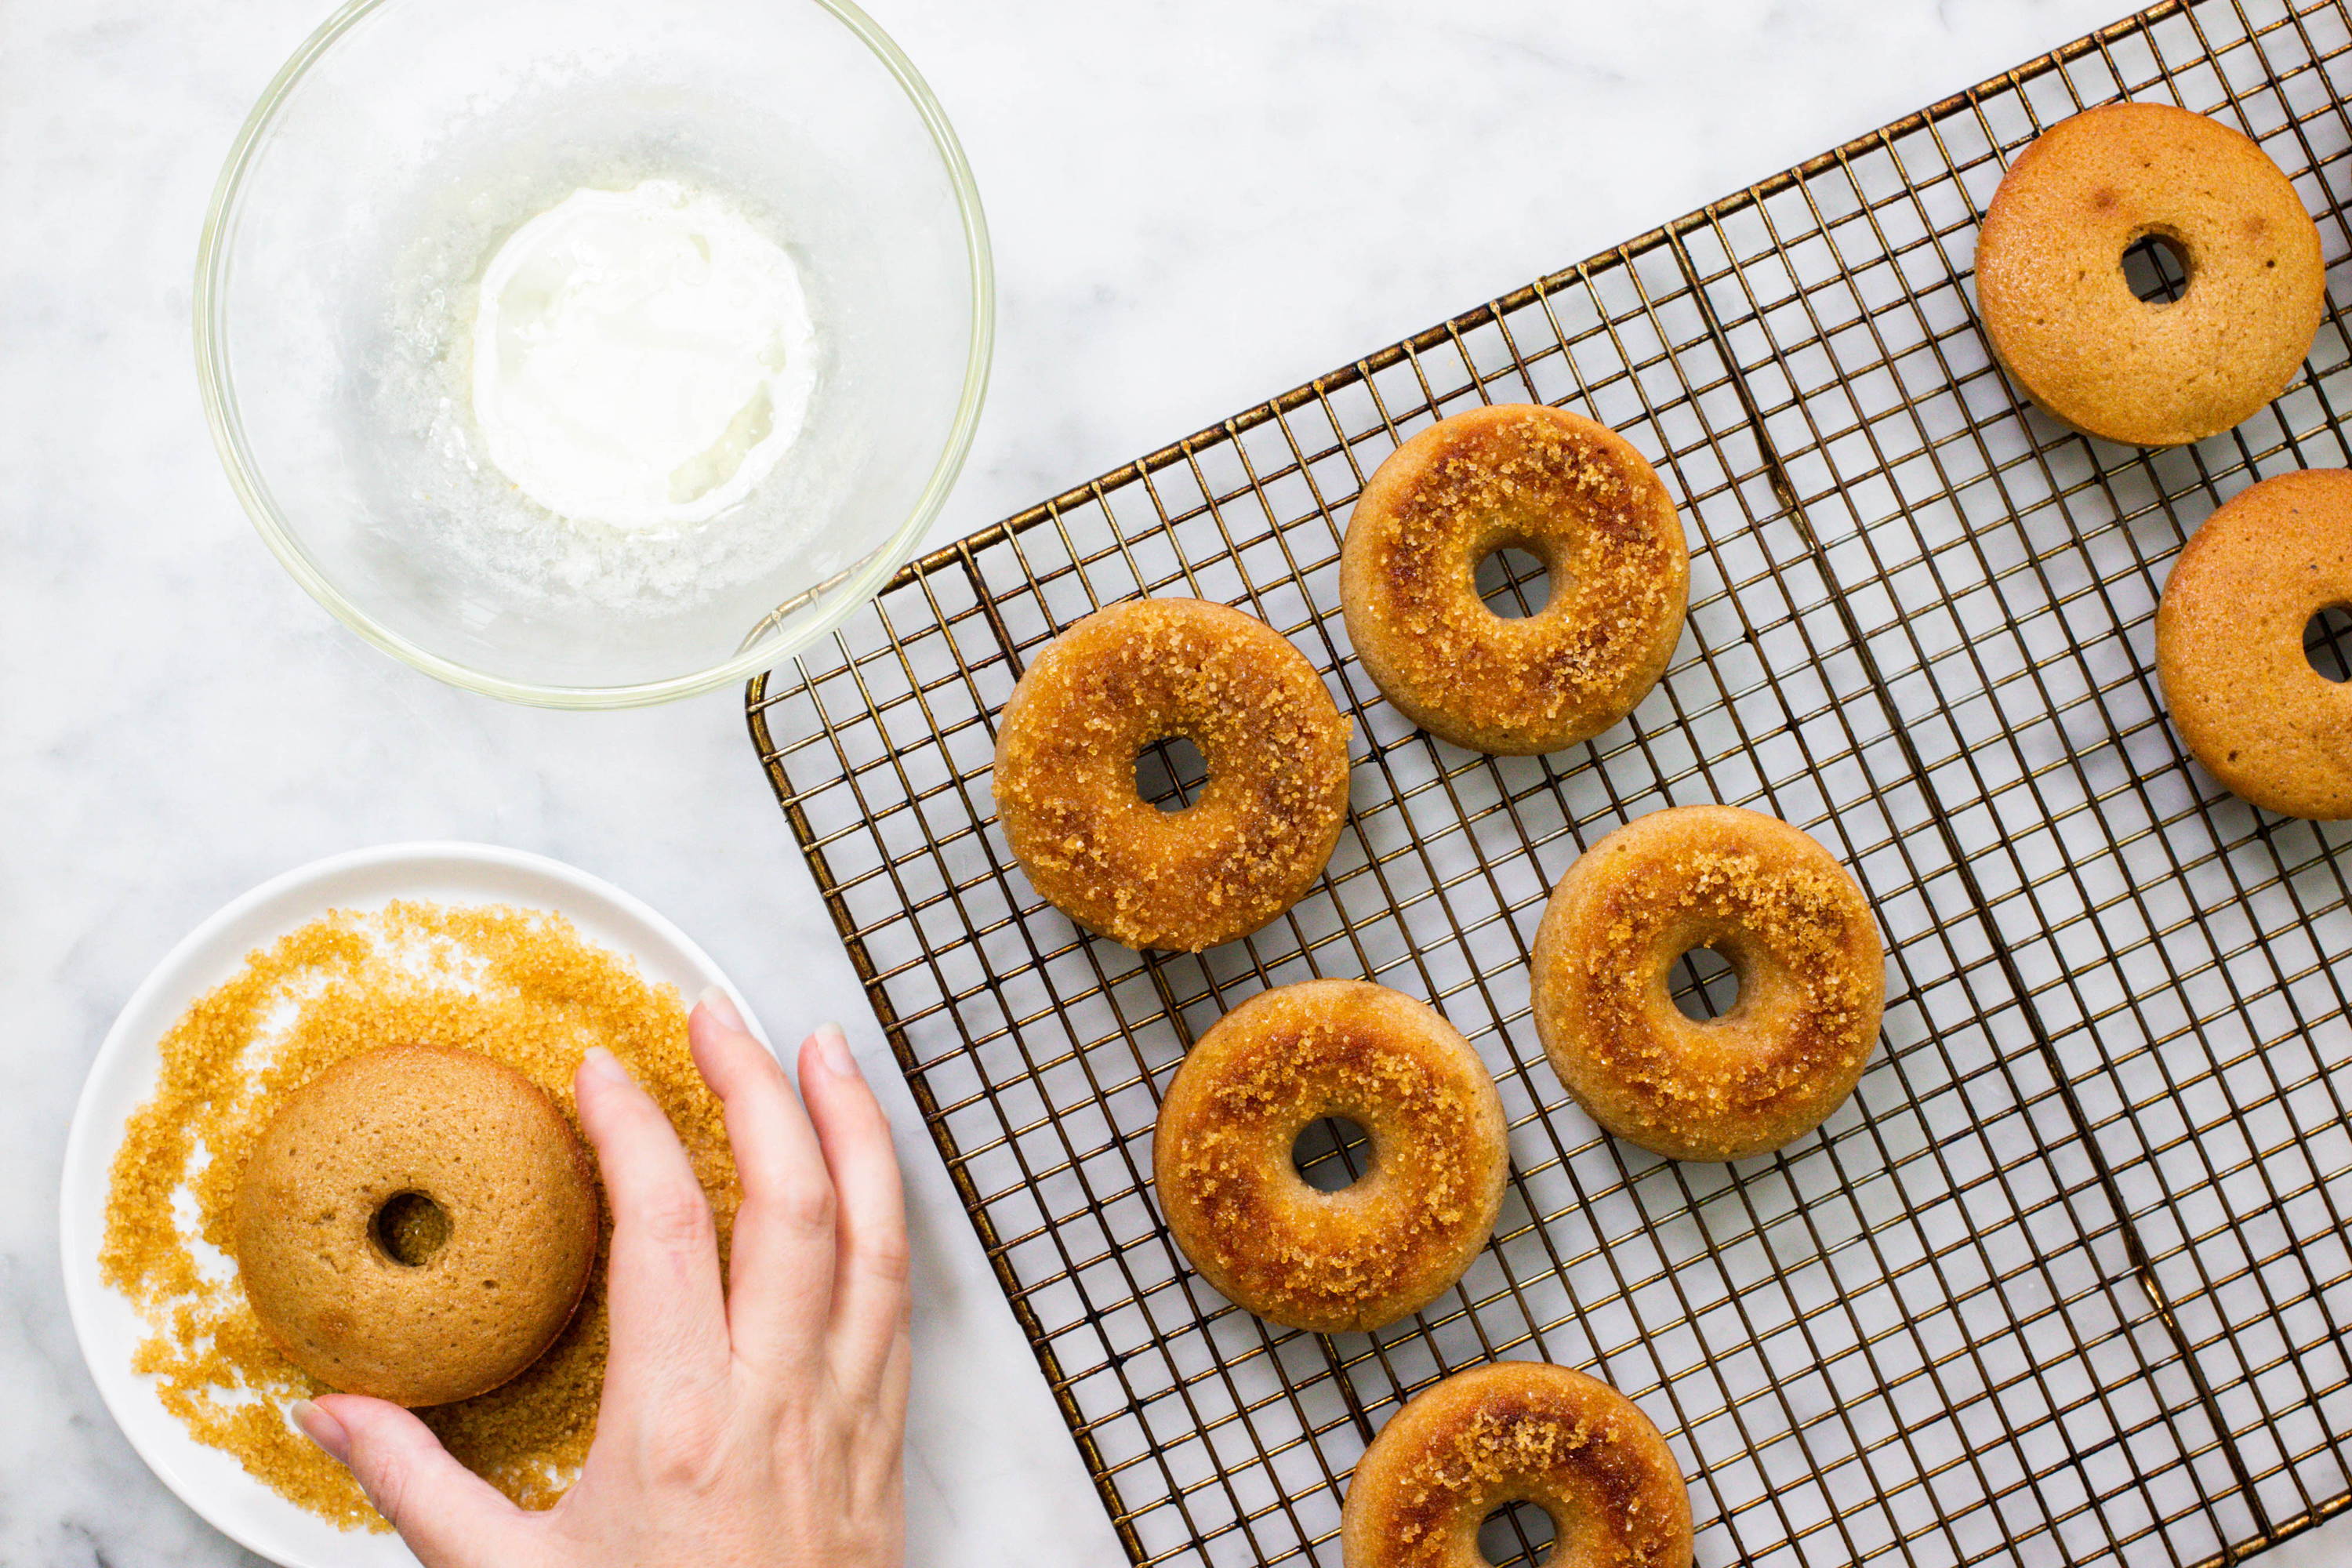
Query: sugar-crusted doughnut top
[(1275, 746), (1796, 931), (1517, 1431), (1577, 496), (1374, 1251)]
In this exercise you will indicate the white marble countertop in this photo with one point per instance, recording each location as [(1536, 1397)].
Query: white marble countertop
[(1188, 215)]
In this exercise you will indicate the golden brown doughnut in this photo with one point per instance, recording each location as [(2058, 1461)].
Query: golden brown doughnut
[(2229, 643), (2063, 320), (1264, 825), (1797, 933), (1517, 1431), (424, 1154), (1372, 1252), (1578, 496)]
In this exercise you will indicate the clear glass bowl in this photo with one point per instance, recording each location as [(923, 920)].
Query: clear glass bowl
[(401, 144)]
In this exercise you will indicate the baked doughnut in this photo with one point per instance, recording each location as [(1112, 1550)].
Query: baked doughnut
[(416, 1222), (1517, 1431), (1575, 495), (2229, 643), (1372, 1252), (1264, 825), (1797, 933), (2062, 318)]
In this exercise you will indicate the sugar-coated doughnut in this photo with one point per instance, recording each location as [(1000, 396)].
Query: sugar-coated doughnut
[(1374, 1251), (1575, 495), (415, 1223), (2063, 320), (1798, 935), (2230, 651), (1517, 1431), (1265, 823)]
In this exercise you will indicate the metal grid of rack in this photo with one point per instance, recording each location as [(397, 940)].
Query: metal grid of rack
[(2068, 1280)]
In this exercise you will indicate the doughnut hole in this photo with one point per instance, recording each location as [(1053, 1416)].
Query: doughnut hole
[(2327, 642), (1517, 1533), (1171, 773), (1331, 1153), (2156, 268), (1705, 984), (1512, 581), (409, 1229)]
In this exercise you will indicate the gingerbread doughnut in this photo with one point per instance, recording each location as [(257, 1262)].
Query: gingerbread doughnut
[(2229, 643), (1798, 935), (2063, 321), (416, 1222), (1372, 1252), (1578, 496), (1264, 825), (1517, 1431)]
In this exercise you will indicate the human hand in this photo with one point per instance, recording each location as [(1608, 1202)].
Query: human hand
[(759, 1425)]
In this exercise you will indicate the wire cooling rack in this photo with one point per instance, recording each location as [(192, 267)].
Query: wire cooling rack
[(2067, 1280)]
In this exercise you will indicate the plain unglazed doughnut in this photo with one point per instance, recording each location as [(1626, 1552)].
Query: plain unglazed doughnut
[(2230, 651), (1575, 495), (1797, 933), (415, 1223), (2061, 318), (1374, 1251), (1517, 1431), (1265, 823)]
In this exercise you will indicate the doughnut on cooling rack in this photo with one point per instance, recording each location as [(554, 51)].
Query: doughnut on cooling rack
[(2069, 1277)]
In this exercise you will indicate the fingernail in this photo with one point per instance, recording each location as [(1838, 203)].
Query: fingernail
[(833, 1047), (323, 1429), (604, 1065), (722, 1007)]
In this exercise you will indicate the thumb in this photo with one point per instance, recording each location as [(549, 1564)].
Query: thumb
[(450, 1517)]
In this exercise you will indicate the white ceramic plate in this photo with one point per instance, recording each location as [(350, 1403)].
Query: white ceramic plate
[(123, 1075)]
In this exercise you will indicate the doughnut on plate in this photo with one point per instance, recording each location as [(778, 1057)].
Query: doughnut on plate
[(124, 1075)]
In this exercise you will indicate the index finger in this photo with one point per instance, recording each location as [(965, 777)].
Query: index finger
[(781, 1272), (669, 1318)]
